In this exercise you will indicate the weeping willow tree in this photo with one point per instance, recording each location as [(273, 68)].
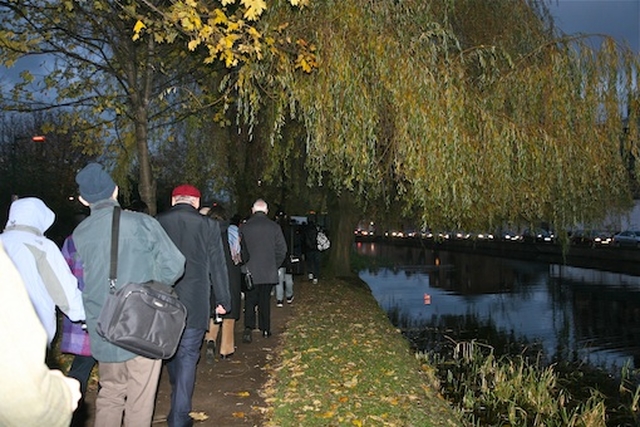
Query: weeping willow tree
[(413, 104)]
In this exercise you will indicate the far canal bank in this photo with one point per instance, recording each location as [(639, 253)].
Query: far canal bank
[(619, 260)]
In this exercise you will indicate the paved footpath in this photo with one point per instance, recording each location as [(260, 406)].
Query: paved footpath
[(226, 392)]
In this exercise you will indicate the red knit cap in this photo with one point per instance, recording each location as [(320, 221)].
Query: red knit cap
[(185, 190)]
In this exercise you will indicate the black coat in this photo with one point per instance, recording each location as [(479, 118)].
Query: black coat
[(199, 239), (294, 245), (267, 248)]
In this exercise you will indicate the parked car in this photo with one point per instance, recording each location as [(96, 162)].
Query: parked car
[(538, 235), (511, 236), (592, 238), (602, 238), (628, 238)]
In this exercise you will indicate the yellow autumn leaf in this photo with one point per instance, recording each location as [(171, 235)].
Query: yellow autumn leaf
[(254, 33), (242, 394), (238, 414), (139, 26), (219, 17), (193, 44), (136, 30), (205, 32), (229, 40), (187, 24), (227, 2), (233, 26), (357, 423), (254, 8)]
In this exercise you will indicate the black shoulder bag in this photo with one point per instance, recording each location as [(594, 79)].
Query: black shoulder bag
[(145, 318)]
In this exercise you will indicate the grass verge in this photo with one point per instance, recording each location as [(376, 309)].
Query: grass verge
[(341, 362)]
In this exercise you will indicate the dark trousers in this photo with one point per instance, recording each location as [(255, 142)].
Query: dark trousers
[(313, 263), (259, 297), (81, 370), (182, 376)]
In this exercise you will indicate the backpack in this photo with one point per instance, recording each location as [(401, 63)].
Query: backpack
[(322, 241)]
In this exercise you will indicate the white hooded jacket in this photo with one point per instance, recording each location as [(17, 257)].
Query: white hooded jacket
[(45, 273)]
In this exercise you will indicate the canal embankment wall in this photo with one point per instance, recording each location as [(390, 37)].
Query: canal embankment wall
[(614, 259)]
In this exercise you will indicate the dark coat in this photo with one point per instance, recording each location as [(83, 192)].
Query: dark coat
[(267, 248), (199, 239), (294, 250), (310, 238)]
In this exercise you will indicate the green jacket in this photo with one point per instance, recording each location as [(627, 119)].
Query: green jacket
[(145, 252)]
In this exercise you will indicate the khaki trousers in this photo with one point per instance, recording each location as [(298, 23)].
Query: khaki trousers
[(127, 390), (227, 341)]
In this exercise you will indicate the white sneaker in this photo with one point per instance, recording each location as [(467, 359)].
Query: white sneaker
[(279, 303), (310, 276), (315, 281)]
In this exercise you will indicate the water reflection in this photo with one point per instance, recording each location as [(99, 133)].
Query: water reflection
[(570, 313)]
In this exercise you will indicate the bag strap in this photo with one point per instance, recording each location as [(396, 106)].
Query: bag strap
[(115, 229)]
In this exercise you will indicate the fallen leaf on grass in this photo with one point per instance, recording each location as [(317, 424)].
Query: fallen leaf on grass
[(238, 414), (351, 383)]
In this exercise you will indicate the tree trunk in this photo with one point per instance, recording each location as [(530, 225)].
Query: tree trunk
[(344, 216), (140, 102), (147, 185)]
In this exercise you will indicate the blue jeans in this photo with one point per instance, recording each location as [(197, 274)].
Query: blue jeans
[(285, 284), (182, 376)]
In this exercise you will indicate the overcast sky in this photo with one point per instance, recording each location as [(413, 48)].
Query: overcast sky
[(618, 18)]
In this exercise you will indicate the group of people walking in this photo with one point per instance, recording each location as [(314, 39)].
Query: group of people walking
[(203, 254)]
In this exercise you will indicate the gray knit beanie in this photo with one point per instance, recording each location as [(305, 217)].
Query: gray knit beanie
[(95, 183)]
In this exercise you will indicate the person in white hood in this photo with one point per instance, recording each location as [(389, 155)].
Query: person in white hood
[(44, 271)]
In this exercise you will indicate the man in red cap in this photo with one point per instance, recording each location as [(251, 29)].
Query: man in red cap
[(199, 239)]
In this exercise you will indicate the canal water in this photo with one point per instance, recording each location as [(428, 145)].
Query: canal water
[(565, 312)]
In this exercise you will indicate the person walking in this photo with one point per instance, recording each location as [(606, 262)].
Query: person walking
[(311, 252), (200, 240), (32, 394), (235, 254), (42, 267), (75, 339), (284, 287), (128, 382), (267, 248)]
